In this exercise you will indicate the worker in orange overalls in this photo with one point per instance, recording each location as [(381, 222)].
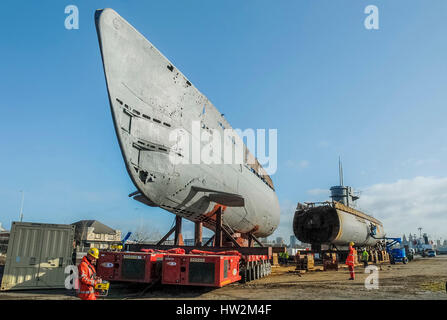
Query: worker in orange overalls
[(350, 261), (87, 275)]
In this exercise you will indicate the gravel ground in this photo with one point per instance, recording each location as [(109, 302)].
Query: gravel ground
[(423, 278)]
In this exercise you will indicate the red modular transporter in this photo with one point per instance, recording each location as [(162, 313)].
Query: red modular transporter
[(200, 270), (129, 266)]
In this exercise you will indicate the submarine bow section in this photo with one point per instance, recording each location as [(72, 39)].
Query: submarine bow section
[(155, 108)]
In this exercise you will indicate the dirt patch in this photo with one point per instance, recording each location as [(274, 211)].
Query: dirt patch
[(435, 286), (423, 278)]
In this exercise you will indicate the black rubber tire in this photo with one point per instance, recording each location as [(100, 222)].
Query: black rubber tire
[(243, 275)]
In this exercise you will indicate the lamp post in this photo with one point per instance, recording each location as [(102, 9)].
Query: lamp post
[(21, 206)]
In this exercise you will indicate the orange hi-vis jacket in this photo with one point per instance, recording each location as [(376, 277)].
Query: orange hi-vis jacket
[(350, 261), (87, 274)]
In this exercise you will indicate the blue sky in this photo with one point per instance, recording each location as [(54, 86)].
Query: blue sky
[(310, 69)]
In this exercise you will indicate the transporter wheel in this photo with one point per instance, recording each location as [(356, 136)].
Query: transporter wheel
[(253, 271), (256, 271), (405, 260), (249, 272), (392, 260), (243, 274)]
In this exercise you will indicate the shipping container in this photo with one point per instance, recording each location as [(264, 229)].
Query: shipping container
[(37, 256)]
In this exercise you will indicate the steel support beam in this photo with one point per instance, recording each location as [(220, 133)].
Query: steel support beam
[(250, 241), (166, 236), (209, 241), (218, 233), (230, 237), (256, 239), (198, 227), (178, 238)]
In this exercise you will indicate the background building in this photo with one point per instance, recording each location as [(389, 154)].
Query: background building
[(293, 241), (92, 233), (4, 239), (279, 241)]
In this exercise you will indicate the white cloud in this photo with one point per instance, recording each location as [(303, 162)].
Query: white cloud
[(319, 192), (421, 162), (407, 204), (301, 164), (323, 144)]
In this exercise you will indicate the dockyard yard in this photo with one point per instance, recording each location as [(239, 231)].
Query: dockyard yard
[(423, 278)]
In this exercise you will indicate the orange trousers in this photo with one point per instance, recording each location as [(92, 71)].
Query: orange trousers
[(351, 272)]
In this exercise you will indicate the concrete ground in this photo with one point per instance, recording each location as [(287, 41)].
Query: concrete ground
[(423, 278)]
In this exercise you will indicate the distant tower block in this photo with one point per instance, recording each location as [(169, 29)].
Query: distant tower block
[(292, 241)]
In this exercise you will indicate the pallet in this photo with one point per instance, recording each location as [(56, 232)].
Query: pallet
[(305, 262)]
